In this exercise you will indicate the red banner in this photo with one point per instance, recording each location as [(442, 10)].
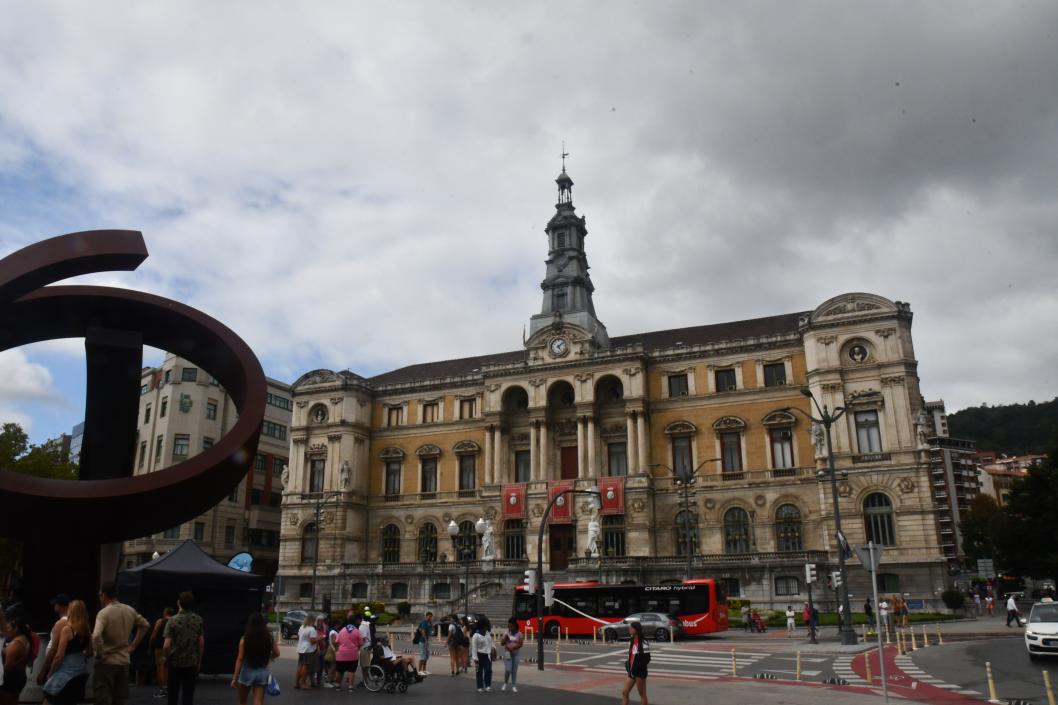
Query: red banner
[(561, 510), (613, 495), (513, 501)]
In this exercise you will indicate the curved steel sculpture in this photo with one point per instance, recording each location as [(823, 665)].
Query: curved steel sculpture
[(108, 503)]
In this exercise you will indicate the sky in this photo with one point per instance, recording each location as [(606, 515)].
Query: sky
[(365, 185)]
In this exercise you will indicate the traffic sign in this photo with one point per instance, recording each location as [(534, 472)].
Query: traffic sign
[(986, 567), (870, 563)]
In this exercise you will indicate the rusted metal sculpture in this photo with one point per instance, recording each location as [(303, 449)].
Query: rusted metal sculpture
[(57, 518)]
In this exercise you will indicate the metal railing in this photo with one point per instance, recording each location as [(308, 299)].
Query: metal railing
[(706, 560), (436, 567)]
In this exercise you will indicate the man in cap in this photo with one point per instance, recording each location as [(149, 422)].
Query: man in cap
[(60, 603)]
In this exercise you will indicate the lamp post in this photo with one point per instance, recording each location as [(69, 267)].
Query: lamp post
[(466, 554), (319, 498), (827, 419), (684, 483), (597, 500)]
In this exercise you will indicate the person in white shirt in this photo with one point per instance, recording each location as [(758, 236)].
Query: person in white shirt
[(307, 638), (403, 661), (1012, 610), (481, 651), (790, 624), (883, 614)]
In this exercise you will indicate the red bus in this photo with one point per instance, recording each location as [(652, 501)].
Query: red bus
[(700, 604)]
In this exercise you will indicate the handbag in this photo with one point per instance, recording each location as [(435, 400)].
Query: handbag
[(492, 654), (273, 686)]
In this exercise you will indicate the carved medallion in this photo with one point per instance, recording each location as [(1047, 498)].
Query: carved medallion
[(710, 503), (293, 519), (844, 489), (907, 485), (638, 506), (538, 511), (490, 513), (759, 500)]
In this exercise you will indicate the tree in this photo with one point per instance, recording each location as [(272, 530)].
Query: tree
[(44, 460), (980, 526), (1024, 538)]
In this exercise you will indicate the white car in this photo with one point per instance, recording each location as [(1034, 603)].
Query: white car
[(1041, 631)]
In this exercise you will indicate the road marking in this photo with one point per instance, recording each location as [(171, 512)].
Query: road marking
[(803, 673), (608, 654)]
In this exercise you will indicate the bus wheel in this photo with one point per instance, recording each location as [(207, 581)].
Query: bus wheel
[(661, 635), (551, 630)]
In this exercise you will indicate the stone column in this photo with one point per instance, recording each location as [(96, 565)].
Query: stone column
[(334, 462), (534, 452), (593, 471), (488, 453), (296, 467), (630, 444), (545, 460), (641, 441), (580, 448), (497, 453)]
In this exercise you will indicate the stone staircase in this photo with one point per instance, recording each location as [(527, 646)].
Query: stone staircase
[(496, 607)]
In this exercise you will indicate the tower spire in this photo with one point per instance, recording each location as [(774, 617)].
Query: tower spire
[(564, 155)]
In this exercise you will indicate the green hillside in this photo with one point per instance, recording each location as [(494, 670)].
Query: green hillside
[(1013, 429)]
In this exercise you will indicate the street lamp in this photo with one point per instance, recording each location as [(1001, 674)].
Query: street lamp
[(684, 482), (319, 498), (827, 419), (466, 554), (596, 496)]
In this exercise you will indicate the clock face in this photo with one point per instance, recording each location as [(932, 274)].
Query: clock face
[(559, 347)]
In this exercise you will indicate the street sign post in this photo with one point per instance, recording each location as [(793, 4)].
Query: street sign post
[(870, 556), (986, 567)]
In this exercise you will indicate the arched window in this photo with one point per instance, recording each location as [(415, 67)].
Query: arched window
[(878, 519), (390, 544), (613, 535), (427, 543), (788, 528), (513, 539), (441, 591), (309, 540), (736, 530), (398, 591), (467, 541), (686, 522)]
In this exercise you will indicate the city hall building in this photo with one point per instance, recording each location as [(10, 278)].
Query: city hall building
[(381, 468)]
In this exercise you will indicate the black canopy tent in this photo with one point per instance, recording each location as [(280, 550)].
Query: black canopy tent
[(224, 597)]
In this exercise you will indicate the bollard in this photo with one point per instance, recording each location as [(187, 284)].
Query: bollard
[(1047, 688), (940, 637), (595, 635), (888, 641), (900, 644), (734, 664), (867, 668), (992, 697), (913, 644), (865, 632), (558, 651), (797, 675), (925, 637), (672, 636), (567, 633)]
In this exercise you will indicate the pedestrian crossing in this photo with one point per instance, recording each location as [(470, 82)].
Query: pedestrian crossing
[(842, 667), (905, 664), (696, 662)]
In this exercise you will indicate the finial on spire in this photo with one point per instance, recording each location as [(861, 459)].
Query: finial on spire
[(564, 155)]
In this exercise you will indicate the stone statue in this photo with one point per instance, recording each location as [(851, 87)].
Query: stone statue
[(285, 477), (819, 439), (593, 535), (344, 474), (488, 545), (922, 429)]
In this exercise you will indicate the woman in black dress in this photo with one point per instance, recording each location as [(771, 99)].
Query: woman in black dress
[(18, 654), (636, 665)]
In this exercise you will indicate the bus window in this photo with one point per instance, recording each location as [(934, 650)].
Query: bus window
[(721, 596), (524, 606), (654, 604), (579, 603), (613, 605), (695, 601)]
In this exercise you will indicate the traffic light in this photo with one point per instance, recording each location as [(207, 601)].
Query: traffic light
[(835, 579), (530, 582), (810, 573), (549, 594)]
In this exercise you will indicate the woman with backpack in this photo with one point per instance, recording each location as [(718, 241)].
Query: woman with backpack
[(256, 650), (452, 641), (68, 675), (18, 655), (636, 665)]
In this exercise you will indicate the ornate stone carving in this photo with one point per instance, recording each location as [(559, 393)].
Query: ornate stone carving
[(638, 506), (885, 332), (827, 339), (536, 382), (614, 429), (710, 503), (760, 500), (293, 519), (391, 453), (895, 381), (565, 428), (584, 376), (521, 438), (779, 418), (428, 450), (906, 485), (537, 511), (832, 387), (337, 400), (492, 387), (317, 449), (631, 371), (851, 307), (729, 423), (490, 513), (409, 519), (446, 517), (463, 447), (844, 489), (334, 437), (318, 377), (677, 428), (301, 403)]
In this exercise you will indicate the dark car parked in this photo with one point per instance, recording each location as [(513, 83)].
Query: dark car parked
[(656, 625), (292, 621)]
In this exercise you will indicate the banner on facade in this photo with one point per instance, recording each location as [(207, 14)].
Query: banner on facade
[(513, 501), (613, 495), (562, 510)]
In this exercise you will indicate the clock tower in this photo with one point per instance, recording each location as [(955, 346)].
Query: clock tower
[(567, 286)]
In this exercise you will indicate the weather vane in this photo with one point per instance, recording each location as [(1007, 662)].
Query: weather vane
[(564, 155)]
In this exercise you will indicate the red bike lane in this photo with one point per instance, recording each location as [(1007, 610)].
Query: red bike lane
[(904, 685)]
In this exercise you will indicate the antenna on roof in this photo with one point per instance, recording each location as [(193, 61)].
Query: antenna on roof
[(523, 334)]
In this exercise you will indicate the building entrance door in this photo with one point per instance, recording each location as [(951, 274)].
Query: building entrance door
[(569, 463), (563, 545)]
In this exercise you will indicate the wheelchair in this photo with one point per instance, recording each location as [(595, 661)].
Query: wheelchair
[(388, 677)]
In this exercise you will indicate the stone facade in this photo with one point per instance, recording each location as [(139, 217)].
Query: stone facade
[(387, 464)]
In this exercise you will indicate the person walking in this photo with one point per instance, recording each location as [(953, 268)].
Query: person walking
[(330, 658), (883, 614), (868, 610), (183, 646), (452, 641), (18, 656), (1012, 611), (256, 650), (636, 664), (321, 650), (110, 642), (481, 648), (745, 617), (306, 653), (422, 637), (67, 673), (791, 625), (366, 626), (512, 643), (347, 655), (60, 604), (157, 642), (990, 605), (977, 604)]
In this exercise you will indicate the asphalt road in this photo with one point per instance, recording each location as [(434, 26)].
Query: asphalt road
[(1014, 674)]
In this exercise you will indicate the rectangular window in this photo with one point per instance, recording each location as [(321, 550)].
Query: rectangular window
[(143, 453), (173, 533), (277, 466), (560, 240), (279, 402), (681, 456), (189, 374), (275, 499), (316, 471), (725, 380), (144, 389), (234, 496), (255, 496), (617, 459), (786, 585), (522, 471), (258, 463), (147, 414), (781, 448), (560, 300), (181, 446), (466, 472), (211, 410), (164, 408), (158, 450), (200, 530), (395, 416), (868, 435), (466, 408), (393, 478), (275, 430), (207, 442), (168, 377), (429, 476), (731, 451), (429, 412), (775, 375), (613, 535), (678, 385), (229, 536)]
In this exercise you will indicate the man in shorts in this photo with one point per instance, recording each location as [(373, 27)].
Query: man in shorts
[(424, 629)]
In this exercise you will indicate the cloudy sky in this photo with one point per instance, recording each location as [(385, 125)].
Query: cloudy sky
[(365, 185)]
